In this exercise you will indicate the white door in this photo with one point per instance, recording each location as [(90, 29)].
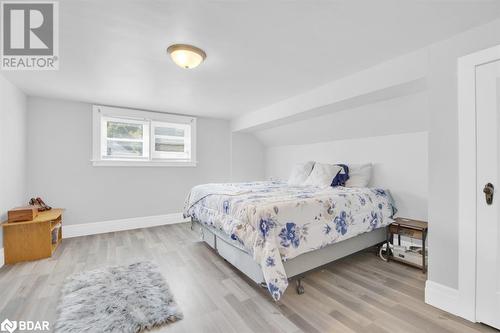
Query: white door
[(488, 175)]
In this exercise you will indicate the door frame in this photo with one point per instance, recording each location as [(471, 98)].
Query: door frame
[(467, 185)]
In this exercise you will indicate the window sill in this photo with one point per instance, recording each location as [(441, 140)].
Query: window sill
[(124, 163)]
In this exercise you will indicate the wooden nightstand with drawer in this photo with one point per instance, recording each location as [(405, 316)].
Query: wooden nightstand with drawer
[(410, 228)]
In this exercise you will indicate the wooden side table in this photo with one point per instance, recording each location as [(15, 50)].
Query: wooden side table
[(31, 240), (408, 228)]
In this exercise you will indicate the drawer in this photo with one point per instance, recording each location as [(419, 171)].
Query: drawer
[(208, 237), (241, 260), (406, 232)]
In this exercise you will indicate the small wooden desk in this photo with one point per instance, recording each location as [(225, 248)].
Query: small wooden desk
[(31, 240), (408, 228)]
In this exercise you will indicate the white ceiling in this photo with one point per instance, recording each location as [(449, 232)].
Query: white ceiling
[(259, 52)]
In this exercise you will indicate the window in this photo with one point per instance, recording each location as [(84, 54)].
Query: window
[(124, 137), (171, 140)]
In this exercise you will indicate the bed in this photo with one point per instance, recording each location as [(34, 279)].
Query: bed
[(272, 231)]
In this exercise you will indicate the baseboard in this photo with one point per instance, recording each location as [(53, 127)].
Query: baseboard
[(94, 228), (442, 297), (2, 258)]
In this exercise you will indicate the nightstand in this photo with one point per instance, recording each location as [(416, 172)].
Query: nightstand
[(413, 229)]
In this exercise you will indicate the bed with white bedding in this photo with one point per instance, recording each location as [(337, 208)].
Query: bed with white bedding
[(275, 222)]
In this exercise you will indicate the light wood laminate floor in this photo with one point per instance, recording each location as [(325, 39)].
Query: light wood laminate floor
[(359, 293)]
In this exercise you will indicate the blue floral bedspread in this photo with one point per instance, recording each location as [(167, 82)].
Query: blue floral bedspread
[(275, 222)]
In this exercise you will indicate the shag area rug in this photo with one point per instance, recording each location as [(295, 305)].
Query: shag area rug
[(124, 299)]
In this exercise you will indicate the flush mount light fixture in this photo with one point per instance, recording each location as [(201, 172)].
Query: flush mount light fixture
[(186, 56)]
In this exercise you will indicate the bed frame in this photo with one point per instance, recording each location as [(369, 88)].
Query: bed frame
[(236, 255)]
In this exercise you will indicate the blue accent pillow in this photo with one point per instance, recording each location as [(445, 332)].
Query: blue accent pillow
[(342, 177)]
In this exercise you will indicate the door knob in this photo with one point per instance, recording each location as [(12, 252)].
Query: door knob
[(488, 192)]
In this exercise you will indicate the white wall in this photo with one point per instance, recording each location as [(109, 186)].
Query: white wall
[(247, 158), (60, 171), (392, 134), (400, 164), (443, 147), (12, 149)]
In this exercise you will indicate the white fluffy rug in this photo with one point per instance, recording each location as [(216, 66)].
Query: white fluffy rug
[(116, 299)]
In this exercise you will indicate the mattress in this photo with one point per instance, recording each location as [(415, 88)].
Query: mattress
[(275, 222)]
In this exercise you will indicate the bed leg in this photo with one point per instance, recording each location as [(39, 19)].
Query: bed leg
[(300, 287), (192, 224)]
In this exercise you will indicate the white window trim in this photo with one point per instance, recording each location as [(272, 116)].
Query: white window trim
[(99, 111)]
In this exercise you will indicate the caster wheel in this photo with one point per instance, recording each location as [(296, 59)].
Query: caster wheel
[(300, 290), (384, 252)]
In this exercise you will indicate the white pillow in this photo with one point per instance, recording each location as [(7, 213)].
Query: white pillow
[(300, 172), (322, 174), (359, 175)]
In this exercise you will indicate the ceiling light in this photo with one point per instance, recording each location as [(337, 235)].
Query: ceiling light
[(186, 56)]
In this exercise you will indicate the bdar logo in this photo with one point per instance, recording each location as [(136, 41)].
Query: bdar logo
[(8, 326)]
